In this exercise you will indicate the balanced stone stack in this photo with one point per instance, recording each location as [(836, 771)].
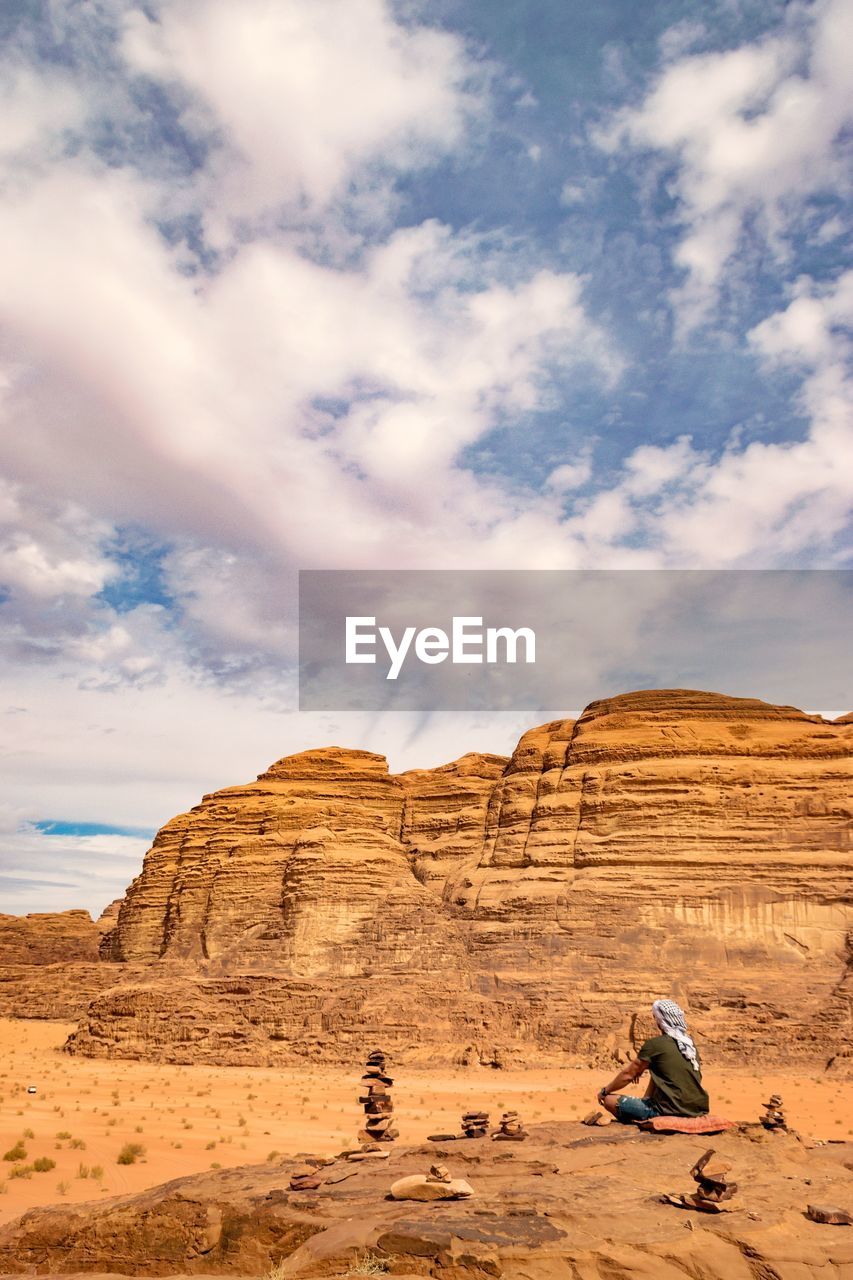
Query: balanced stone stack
[(377, 1103), (511, 1129), (713, 1184), (774, 1116), (475, 1124)]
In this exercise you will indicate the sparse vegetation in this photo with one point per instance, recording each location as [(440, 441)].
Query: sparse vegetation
[(368, 1264), (276, 1271), (130, 1153), (18, 1152), (44, 1164)]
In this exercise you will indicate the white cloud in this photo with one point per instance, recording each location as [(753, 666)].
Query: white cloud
[(755, 131), (38, 110), (760, 504), (304, 95), (571, 475)]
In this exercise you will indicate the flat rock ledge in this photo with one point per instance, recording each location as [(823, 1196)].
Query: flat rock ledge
[(567, 1204)]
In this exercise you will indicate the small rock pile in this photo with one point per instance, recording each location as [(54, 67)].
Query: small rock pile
[(475, 1124), (713, 1186), (438, 1184), (308, 1176), (377, 1102), (774, 1116), (511, 1129)]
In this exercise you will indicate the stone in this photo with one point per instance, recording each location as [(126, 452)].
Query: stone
[(422, 1187), (830, 1214)]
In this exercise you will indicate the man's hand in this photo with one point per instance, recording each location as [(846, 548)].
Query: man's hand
[(626, 1076)]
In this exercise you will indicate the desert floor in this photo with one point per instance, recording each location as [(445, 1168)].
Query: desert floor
[(187, 1119)]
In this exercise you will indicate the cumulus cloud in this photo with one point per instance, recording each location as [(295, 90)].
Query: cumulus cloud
[(298, 100), (762, 503), (754, 132)]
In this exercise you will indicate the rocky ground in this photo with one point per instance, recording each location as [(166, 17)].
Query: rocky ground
[(568, 1202)]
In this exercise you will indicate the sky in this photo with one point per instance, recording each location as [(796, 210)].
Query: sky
[(295, 284)]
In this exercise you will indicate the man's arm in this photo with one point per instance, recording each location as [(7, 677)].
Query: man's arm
[(626, 1076)]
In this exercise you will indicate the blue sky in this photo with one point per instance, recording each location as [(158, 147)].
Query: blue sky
[(342, 283)]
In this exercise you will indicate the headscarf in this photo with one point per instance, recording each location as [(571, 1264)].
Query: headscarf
[(670, 1019)]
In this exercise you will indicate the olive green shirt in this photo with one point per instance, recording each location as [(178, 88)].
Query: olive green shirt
[(677, 1087)]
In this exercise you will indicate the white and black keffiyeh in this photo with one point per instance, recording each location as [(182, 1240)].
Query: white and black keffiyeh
[(670, 1019)]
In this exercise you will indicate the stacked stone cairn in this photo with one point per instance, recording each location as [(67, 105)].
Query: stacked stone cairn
[(713, 1184), (774, 1116), (377, 1103), (511, 1129), (475, 1124)]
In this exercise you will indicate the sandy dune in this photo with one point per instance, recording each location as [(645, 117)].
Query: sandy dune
[(189, 1119)]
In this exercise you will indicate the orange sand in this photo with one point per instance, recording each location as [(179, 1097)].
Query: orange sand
[(190, 1118)]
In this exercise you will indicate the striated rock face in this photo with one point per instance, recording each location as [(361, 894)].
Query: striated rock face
[(303, 871), (668, 842), (679, 841), (444, 814)]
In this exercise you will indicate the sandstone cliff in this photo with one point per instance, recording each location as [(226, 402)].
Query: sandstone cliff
[(666, 842)]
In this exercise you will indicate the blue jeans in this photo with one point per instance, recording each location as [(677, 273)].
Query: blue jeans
[(633, 1110)]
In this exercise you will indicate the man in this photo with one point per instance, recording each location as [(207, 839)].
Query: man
[(675, 1087)]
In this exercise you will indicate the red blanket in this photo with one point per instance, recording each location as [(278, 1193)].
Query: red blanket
[(687, 1124)]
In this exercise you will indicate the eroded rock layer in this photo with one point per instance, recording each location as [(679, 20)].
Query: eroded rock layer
[(667, 842)]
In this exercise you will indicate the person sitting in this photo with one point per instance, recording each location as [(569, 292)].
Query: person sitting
[(672, 1061)]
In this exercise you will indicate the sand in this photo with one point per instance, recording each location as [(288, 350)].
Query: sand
[(189, 1119)]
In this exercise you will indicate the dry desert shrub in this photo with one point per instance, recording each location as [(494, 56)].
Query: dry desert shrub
[(368, 1264), (18, 1152), (130, 1153)]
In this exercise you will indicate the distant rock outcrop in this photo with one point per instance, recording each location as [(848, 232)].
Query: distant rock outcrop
[(50, 937), (666, 842)]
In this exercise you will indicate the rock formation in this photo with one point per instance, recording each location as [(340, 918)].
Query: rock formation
[(48, 938), (668, 842), (568, 1202), (49, 963)]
